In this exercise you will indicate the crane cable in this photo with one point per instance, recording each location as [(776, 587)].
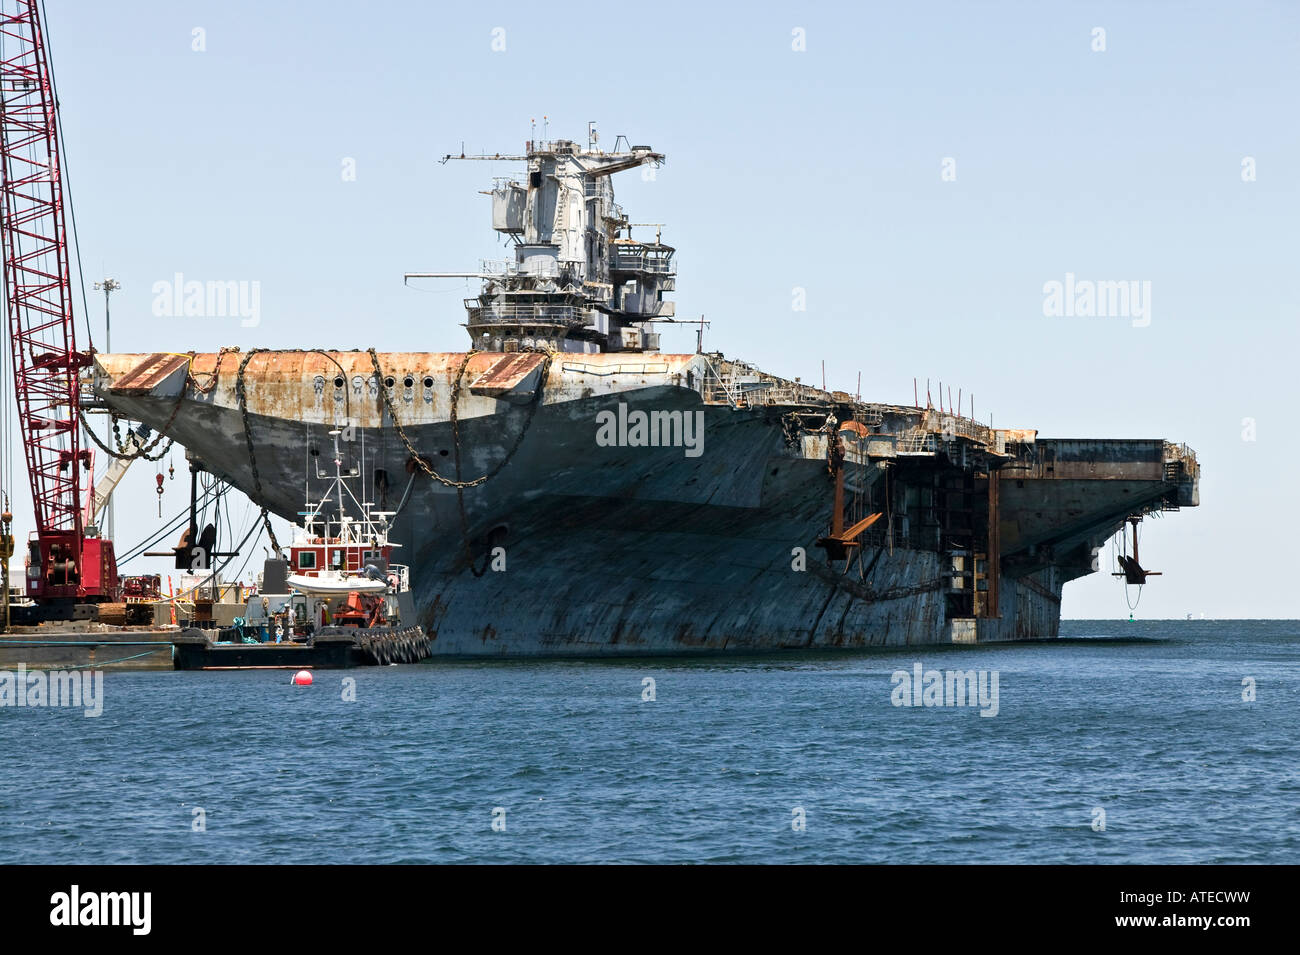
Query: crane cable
[(172, 526)]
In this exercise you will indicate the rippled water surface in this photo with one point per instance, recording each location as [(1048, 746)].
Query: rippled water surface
[(1144, 721)]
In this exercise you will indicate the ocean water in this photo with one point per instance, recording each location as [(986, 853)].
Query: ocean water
[(1143, 721)]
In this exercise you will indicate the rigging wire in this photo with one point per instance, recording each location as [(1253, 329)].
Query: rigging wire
[(225, 513), (173, 524), (214, 572), (249, 556), (1133, 605), (405, 495)]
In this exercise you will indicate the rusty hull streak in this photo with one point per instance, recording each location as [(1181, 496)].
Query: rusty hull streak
[(1019, 435), (281, 383)]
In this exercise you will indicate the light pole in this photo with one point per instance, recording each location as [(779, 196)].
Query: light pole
[(109, 286)]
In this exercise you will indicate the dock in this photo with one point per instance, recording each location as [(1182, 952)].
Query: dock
[(92, 645), (70, 645)]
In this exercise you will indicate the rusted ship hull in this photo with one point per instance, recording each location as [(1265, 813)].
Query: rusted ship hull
[(576, 545)]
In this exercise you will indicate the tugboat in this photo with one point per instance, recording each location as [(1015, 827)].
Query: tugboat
[(341, 606)]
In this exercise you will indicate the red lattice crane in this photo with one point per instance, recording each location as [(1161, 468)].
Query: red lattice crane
[(64, 565)]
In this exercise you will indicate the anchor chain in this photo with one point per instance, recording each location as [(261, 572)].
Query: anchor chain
[(401, 432), (141, 454), (248, 438), (459, 485), (199, 389)]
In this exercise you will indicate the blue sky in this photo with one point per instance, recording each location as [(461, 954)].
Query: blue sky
[(818, 169)]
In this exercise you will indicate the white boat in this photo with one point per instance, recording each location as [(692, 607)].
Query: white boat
[(336, 586)]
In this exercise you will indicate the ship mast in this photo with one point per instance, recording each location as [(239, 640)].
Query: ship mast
[(579, 282)]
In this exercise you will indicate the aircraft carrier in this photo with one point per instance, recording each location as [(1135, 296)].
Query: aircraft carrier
[(563, 488)]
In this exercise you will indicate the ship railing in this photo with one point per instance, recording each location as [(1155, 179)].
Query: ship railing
[(880, 536), (872, 417), (1179, 452), (567, 315), (716, 389), (622, 368), (969, 428), (719, 388), (914, 441), (542, 268), (637, 262), (791, 393), (403, 574)]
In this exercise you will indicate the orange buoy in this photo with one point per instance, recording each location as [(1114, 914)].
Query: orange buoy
[(302, 678)]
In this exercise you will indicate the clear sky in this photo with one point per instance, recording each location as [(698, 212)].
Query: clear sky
[(820, 169)]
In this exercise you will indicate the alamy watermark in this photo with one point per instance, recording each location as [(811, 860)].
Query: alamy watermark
[(651, 429), (212, 299), (63, 688), (1126, 298), (75, 907), (924, 687)]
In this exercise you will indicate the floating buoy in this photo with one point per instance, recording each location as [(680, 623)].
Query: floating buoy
[(302, 678)]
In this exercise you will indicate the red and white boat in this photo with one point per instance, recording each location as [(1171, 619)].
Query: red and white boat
[(341, 571)]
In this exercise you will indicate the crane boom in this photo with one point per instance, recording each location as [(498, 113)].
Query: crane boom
[(63, 564)]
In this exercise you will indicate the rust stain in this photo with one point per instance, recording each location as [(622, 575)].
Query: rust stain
[(1019, 435), (506, 374), (687, 636), (148, 374)]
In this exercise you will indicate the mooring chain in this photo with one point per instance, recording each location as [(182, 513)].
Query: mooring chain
[(401, 432), (142, 454), (248, 438), (459, 485), (216, 369), (143, 451)]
